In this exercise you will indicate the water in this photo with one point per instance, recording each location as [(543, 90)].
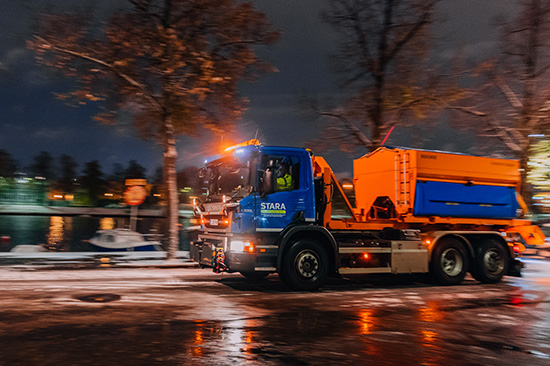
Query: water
[(66, 233)]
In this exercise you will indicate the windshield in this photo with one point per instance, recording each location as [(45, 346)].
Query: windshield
[(229, 177)]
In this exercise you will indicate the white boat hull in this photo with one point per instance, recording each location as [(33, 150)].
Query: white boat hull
[(122, 240)]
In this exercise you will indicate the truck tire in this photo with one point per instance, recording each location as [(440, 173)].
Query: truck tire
[(305, 266), (449, 262), (491, 261), (253, 275)]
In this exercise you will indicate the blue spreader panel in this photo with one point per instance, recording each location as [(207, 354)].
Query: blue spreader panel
[(455, 199)]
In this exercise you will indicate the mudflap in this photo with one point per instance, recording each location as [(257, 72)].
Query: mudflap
[(515, 268)]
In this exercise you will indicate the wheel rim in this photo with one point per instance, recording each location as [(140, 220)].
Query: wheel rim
[(451, 262), (307, 264), (493, 261)]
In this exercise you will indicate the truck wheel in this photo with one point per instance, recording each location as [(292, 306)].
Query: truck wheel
[(491, 262), (449, 262), (305, 266), (253, 275)]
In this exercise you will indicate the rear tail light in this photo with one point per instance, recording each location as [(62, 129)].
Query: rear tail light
[(517, 247)]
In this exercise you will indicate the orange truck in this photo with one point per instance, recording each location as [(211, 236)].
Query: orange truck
[(415, 211)]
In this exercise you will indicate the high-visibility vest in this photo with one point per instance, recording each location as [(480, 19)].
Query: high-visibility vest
[(285, 182)]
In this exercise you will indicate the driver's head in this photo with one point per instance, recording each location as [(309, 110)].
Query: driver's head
[(284, 168)]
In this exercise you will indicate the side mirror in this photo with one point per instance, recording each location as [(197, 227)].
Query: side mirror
[(202, 173)]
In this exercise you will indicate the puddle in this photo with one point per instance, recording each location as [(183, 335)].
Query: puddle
[(98, 298)]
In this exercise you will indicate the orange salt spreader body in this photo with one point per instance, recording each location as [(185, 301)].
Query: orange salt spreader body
[(429, 188)]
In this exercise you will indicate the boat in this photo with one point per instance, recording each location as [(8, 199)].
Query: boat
[(28, 248), (123, 240)]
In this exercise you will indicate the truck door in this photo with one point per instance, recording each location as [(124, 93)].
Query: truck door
[(283, 202)]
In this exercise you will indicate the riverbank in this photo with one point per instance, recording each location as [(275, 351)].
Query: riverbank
[(85, 211), (83, 260)]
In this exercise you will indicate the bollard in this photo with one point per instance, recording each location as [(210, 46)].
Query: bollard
[(105, 262)]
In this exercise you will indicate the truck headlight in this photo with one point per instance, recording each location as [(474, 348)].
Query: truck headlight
[(242, 246), (237, 245)]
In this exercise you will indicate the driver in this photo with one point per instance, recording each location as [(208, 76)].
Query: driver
[(285, 182)]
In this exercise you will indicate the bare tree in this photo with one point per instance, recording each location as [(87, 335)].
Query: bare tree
[(8, 166), (171, 65), (539, 165), (66, 181), (43, 165), (92, 181), (512, 102), (384, 63)]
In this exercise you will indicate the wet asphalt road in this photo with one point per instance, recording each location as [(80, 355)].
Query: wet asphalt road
[(194, 317)]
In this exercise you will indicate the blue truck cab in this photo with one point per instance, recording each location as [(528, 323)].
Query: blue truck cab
[(255, 194)]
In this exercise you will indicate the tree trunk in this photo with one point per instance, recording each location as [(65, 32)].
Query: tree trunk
[(170, 152), (170, 156), (529, 97), (525, 188), (380, 76)]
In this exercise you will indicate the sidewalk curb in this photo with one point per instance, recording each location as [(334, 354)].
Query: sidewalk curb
[(84, 266), (93, 260)]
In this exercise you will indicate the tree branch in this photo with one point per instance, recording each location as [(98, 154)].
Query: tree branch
[(359, 135), (146, 93), (417, 27), (510, 95), (502, 133)]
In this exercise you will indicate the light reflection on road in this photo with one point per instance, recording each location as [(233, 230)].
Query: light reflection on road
[(238, 322), (366, 321), (430, 313)]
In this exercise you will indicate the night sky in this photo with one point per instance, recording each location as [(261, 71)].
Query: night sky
[(33, 120)]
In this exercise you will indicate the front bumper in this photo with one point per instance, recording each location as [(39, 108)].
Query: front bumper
[(202, 253), (207, 255), (240, 262), (215, 251)]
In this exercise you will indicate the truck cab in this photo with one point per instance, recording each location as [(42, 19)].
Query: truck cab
[(254, 193)]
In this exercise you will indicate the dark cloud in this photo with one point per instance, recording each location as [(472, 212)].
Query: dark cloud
[(28, 102), (469, 25)]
